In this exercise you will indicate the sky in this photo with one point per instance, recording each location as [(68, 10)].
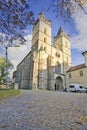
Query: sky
[(77, 32)]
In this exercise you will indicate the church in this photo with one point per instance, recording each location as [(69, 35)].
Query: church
[(45, 66)]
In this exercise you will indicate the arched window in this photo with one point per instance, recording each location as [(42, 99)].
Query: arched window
[(57, 54), (58, 68), (45, 31), (45, 40)]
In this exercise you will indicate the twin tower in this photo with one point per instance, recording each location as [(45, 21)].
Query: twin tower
[(45, 65)]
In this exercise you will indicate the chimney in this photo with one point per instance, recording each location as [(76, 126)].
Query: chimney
[(85, 57)]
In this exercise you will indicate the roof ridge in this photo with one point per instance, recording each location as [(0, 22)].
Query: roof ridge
[(76, 67)]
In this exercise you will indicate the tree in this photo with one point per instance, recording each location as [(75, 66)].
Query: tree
[(65, 9), (68, 7), (15, 16), (3, 67)]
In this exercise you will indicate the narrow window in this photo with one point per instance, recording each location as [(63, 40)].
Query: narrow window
[(69, 75), (81, 73), (45, 40), (56, 54), (58, 68), (45, 31), (45, 49)]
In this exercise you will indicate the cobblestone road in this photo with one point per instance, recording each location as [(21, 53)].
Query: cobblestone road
[(38, 110)]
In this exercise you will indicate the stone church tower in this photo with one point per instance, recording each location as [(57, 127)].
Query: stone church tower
[(41, 39), (45, 65), (62, 42)]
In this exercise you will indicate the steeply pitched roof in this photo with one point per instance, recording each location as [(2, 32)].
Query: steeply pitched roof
[(60, 31), (76, 67)]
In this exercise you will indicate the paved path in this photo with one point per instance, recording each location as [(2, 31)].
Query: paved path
[(38, 110)]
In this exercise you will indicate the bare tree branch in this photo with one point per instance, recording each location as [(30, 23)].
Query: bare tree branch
[(15, 16)]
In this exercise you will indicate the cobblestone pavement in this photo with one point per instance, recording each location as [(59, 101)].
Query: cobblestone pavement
[(44, 110)]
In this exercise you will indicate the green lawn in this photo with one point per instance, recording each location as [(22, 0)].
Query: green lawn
[(6, 93)]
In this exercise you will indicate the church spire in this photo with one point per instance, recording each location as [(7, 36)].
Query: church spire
[(60, 31)]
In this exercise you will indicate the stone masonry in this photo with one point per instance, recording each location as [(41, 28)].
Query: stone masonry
[(45, 65), (44, 110)]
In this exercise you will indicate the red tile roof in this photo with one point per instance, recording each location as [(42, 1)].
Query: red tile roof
[(76, 67)]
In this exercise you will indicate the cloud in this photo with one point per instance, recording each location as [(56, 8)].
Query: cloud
[(16, 54), (80, 41)]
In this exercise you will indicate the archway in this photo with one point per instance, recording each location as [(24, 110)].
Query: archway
[(59, 84)]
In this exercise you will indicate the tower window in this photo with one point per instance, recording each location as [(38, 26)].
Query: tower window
[(45, 40), (57, 54), (45, 49), (45, 31)]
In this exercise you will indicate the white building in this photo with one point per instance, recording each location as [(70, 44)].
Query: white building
[(45, 65), (78, 74)]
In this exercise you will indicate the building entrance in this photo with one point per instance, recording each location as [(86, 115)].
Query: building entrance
[(59, 84)]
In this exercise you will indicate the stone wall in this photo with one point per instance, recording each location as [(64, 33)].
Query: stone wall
[(37, 69), (76, 78), (24, 72)]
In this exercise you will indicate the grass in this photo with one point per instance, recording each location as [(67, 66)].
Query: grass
[(6, 93)]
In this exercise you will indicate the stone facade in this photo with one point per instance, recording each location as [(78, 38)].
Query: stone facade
[(45, 65), (78, 74)]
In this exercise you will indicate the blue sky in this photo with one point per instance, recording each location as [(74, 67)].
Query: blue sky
[(77, 32), (74, 30)]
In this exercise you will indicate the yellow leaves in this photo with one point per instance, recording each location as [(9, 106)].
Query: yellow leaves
[(2, 60), (82, 120), (83, 2)]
